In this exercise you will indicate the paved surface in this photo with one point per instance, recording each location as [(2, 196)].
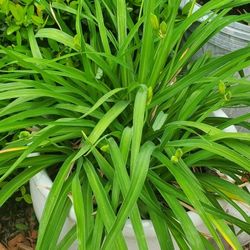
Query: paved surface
[(234, 112)]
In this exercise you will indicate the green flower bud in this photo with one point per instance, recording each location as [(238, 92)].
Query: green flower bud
[(179, 153), (174, 159), (163, 29), (24, 135), (222, 88), (154, 22)]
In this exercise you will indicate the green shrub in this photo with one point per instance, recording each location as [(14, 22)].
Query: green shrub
[(124, 116)]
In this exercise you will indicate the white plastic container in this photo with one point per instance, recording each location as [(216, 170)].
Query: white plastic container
[(233, 37), (41, 184)]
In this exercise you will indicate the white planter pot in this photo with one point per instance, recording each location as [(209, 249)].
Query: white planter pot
[(233, 37), (41, 183)]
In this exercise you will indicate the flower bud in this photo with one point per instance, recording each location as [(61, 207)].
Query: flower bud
[(179, 153), (163, 29), (222, 88), (24, 135), (174, 159), (154, 22)]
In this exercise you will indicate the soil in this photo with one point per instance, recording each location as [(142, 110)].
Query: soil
[(18, 226)]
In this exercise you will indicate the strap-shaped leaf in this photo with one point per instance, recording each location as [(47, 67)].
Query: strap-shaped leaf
[(189, 229), (57, 35), (138, 123), (54, 195), (104, 206), (123, 181), (79, 208), (192, 189), (137, 182)]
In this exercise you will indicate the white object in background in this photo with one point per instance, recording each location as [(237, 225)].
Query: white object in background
[(233, 37)]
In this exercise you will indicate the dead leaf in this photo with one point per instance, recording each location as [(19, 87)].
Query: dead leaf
[(22, 246), (2, 247), (13, 243)]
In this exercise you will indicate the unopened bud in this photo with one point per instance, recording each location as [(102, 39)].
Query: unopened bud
[(222, 88), (174, 159), (24, 135), (179, 153), (154, 22), (163, 29)]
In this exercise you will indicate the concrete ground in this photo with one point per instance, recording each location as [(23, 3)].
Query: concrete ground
[(234, 112)]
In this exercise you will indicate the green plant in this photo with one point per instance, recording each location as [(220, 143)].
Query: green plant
[(20, 19), (237, 10), (130, 130), (16, 16), (24, 196)]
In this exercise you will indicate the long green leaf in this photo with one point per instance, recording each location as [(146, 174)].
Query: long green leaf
[(105, 208), (56, 35), (137, 181), (124, 183), (138, 123), (79, 209), (54, 195)]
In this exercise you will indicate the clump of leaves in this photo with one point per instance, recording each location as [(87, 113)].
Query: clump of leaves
[(129, 126), (19, 19), (16, 16)]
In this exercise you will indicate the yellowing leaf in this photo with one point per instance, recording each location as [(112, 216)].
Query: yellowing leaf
[(12, 149)]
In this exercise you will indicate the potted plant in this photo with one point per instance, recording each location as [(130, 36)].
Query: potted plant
[(129, 131), (232, 37)]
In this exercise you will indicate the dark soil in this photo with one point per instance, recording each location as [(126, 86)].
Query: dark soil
[(18, 226)]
